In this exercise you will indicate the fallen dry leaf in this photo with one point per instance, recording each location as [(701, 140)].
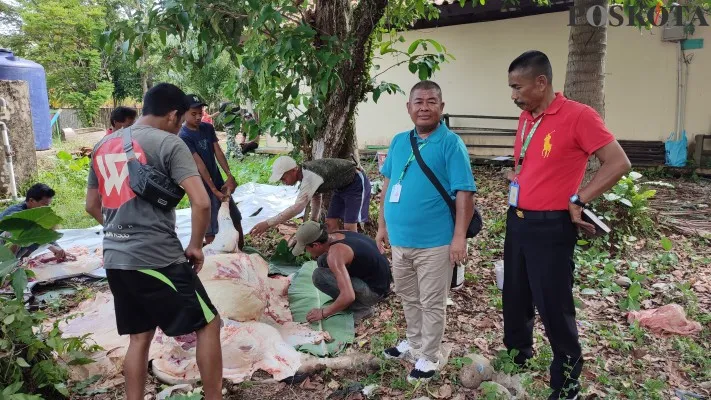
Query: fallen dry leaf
[(445, 391), (309, 385)]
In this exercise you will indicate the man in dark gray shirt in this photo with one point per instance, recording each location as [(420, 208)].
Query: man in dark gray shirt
[(153, 280), (39, 195)]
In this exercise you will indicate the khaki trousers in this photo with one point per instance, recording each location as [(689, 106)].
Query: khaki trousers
[(422, 281)]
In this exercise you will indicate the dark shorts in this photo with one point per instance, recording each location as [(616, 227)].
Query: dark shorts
[(351, 203), (215, 205), (171, 298)]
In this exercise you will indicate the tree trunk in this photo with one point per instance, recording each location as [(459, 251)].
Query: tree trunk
[(336, 138), (585, 74), (144, 82), (20, 134)]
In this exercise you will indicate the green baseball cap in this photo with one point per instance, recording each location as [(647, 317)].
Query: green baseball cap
[(307, 233)]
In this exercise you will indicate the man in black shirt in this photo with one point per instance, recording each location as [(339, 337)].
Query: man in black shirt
[(207, 153), (350, 269)]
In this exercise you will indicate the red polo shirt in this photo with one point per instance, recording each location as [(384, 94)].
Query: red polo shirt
[(556, 158)]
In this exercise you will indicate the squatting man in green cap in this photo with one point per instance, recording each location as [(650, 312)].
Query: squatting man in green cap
[(350, 269), (350, 202)]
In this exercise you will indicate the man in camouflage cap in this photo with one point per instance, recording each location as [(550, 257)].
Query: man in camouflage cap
[(351, 192)]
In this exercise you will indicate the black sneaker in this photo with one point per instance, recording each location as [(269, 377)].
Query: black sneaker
[(424, 371)]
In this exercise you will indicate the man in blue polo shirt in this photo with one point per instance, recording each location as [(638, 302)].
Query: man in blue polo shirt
[(426, 242)]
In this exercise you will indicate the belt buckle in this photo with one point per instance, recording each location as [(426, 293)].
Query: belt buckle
[(519, 213)]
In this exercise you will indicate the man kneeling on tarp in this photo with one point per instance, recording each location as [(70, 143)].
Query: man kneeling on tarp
[(350, 269)]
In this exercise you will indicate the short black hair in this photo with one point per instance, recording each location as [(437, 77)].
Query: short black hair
[(121, 114), (39, 191), (533, 60), (164, 98), (427, 85)]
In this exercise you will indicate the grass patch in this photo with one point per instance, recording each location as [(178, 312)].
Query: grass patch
[(68, 176)]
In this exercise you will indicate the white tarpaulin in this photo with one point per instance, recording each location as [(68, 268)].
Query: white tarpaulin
[(256, 202)]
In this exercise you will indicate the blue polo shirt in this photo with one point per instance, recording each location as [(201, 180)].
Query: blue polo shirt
[(421, 219)]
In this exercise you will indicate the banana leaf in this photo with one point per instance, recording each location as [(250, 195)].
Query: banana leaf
[(303, 296)]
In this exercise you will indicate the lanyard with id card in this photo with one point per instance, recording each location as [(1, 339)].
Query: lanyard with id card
[(513, 186), (397, 188)]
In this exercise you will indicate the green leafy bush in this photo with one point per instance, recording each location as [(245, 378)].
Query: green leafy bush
[(626, 208), (28, 348)]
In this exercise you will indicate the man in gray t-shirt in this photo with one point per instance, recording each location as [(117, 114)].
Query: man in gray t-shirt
[(153, 280)]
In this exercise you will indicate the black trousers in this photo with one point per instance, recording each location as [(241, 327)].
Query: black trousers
[(538, 271)]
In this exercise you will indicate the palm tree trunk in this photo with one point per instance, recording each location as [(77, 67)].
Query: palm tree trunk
[(585, 74)]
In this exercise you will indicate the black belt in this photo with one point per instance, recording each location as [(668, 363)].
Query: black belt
[(526, 214)]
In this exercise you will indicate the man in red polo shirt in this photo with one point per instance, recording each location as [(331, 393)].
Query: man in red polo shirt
[(555, 138)]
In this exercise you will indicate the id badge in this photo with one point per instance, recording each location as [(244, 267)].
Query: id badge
[(513, 194), (395, 193)]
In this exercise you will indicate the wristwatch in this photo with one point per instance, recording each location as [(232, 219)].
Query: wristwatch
[(575, 199)]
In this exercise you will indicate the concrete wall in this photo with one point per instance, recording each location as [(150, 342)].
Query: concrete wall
[(640, 86)]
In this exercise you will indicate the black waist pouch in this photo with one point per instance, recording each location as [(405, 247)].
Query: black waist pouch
[(149, 183)]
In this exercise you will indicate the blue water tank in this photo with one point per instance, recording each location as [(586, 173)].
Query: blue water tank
[(17, 69)]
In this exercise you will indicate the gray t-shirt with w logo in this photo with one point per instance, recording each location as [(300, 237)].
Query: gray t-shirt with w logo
[(138, 235)]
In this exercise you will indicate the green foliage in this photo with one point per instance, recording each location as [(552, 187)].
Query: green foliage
[(125, 76), (635, 293), (9, 20), (253, 168), (290, 66), (89, 99), (208, 81), (69, 173), (61, 36), (490, 391), (626, 207), (24, 228), (504, 362), (28, 364)]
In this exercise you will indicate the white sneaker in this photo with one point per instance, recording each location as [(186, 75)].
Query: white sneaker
[(400, 352), (424, 371)]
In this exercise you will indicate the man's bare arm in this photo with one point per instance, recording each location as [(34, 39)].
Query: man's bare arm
[(93, 205), (381, 237), (290, 212), (613, 164), (464, 212), (381, 213), (464, 205), (200, 209), (338, 257), (222, 160), (202, 169)]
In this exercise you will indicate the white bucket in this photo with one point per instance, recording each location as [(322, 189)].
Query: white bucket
[(499, 271)]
